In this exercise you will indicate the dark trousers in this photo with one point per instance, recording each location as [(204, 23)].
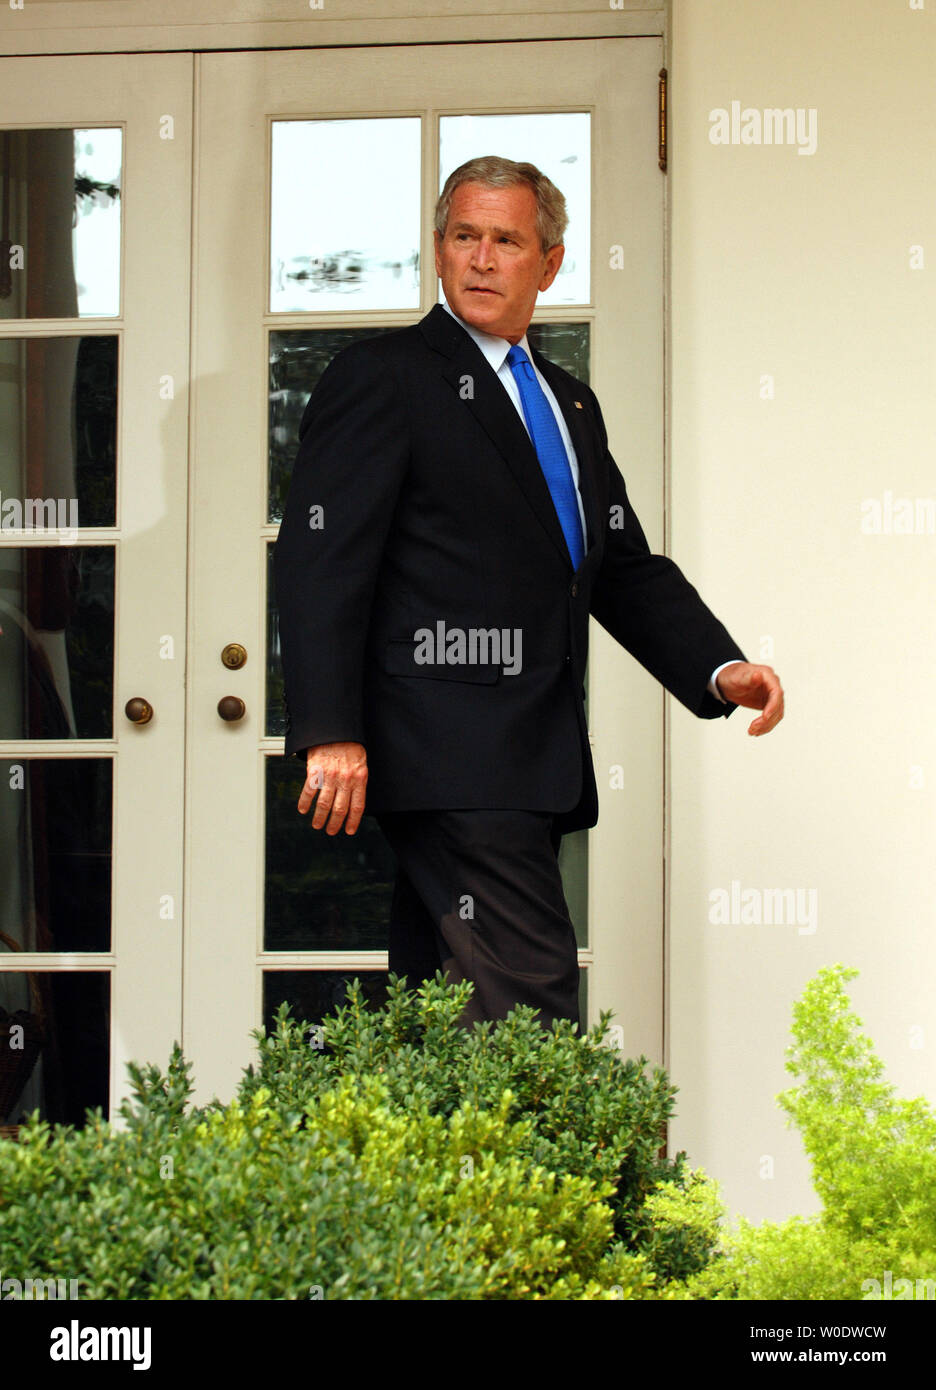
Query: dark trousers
[(478, 895)]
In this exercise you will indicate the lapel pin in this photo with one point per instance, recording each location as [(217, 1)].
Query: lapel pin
[(578, 405)]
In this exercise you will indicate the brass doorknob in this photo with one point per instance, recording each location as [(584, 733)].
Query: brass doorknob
[(138, 710), (231, 707), (233, 656)]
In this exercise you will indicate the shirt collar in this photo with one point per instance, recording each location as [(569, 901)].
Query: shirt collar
[(495, 349)]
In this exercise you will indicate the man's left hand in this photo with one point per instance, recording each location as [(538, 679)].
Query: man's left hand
[(755, 687)]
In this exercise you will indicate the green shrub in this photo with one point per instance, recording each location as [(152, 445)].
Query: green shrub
[(873, 1165), (591, 1113), (680, 1223), (405, 1159)]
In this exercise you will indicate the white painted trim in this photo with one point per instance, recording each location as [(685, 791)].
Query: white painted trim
[(114, 26)]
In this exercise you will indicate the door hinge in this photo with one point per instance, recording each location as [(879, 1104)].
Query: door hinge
[(661, 104)]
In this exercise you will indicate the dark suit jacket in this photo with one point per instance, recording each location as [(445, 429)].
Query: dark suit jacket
[(435, 509)]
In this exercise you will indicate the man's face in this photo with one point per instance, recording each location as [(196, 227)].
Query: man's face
[(490, 261)]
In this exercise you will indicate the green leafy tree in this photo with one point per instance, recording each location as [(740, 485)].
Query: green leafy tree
[(873, 1159)]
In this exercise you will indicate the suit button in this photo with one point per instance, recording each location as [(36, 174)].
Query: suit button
[(568, 660), (574, 591)]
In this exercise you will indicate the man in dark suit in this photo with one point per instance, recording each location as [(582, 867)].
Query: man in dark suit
[(454, 517)]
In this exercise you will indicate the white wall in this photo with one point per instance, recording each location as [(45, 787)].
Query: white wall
[(799, 266)]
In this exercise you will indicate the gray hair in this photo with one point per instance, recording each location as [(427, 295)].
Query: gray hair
[(496, 172)]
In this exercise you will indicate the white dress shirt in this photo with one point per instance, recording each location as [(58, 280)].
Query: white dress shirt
[(495, 351)]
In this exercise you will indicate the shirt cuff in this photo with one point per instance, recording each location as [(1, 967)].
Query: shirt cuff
[(713, 688)]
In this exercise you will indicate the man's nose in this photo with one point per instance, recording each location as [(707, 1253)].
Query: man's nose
[(483, 257)]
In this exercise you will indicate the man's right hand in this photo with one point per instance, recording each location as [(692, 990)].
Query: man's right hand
[(337, 774)]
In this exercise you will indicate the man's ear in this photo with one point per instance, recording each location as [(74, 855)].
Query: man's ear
[(437, 244), (551, 269)]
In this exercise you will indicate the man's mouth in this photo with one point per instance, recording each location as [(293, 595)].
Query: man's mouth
[(480, 289)]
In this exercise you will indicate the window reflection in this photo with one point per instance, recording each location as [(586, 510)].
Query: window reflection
[(345, 209), (61, 1064), (56, 641), (298, 357), (275, 693), (313, 994), (559, 144), (58, 432), (60, 215), (55, 854), (323, 893), (566, 344)]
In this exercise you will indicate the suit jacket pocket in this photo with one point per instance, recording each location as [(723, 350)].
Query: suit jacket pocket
[(399, 659)]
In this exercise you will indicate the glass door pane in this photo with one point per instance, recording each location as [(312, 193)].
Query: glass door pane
[(56, 823), (54, 1045), (60, 223), (344, 203)]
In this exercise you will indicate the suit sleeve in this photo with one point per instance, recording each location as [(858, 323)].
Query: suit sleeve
[(646, 603), (352, 459)]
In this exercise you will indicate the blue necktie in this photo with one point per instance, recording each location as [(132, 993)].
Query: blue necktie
[(550, 451)]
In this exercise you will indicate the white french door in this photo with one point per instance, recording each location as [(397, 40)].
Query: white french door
[(95, 177), (317, 174)]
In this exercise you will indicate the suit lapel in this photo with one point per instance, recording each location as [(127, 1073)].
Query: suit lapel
[(471, 377)]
